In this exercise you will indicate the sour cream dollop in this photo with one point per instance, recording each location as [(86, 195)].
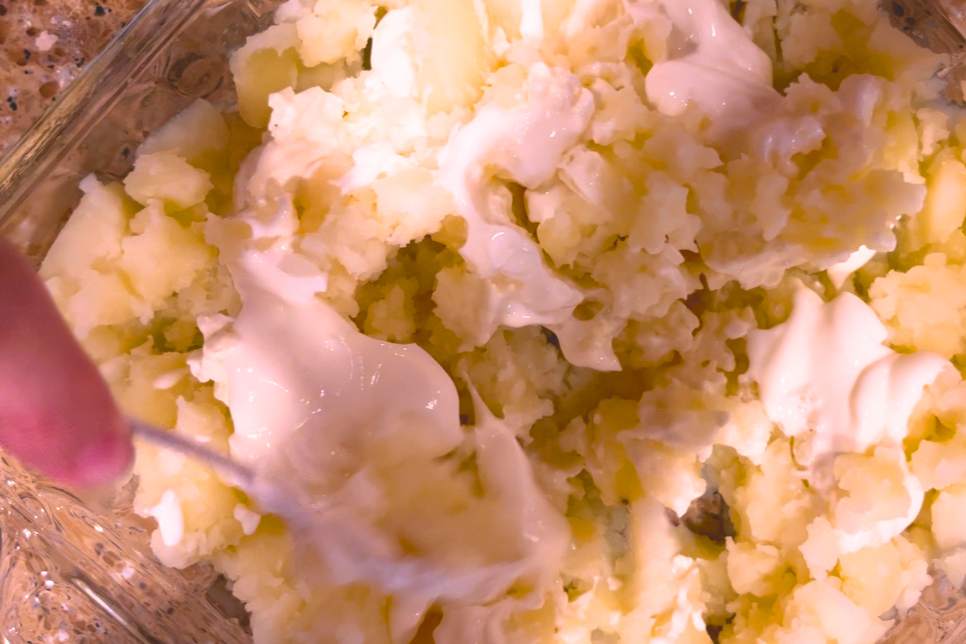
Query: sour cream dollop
[(826, 371), (826, 378), (711, 63), (352, 439)]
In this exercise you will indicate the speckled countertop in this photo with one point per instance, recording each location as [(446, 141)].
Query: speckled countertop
[(44, 44)]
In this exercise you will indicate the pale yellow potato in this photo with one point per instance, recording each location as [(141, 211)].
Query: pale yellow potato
[(162, 257), (453, 56), (772, 504), (878, 578), (206, 504), (939, 465), (103, 299), (505, 15), (410, 203), (925, 306), (267, 63), (954, 566), (751, 566), (945, 205), (167, 177), (872, 489), (92, 234), (820, 611), (336, 29), (648, 216), (517, 377), (198, 134), (135, 378), (388, 317), (949, 517)]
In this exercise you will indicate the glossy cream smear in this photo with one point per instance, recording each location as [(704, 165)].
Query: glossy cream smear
[(564, 321)]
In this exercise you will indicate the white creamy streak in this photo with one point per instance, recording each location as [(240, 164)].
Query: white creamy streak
[(393, 55), (712, 64), (839, 273), (531, 20), (523, 144), (342, 429), (826, 379), (303, 385), (826, 370), (170, 518)]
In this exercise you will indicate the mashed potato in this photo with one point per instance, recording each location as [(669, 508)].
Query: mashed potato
[(576, 320)]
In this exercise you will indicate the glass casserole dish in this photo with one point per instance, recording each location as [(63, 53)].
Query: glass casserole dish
[(69, 573)]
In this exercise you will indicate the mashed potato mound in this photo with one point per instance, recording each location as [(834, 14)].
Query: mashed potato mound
[(593, 215)]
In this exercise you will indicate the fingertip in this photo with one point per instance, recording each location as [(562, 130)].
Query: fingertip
[(57, 414), (82, 451), (104, 460)]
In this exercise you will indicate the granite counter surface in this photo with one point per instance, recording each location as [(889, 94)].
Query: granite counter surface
[(43, 45)]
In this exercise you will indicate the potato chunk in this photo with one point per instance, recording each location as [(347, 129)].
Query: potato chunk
[(167, 177), (162, 258), (93, 233)]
